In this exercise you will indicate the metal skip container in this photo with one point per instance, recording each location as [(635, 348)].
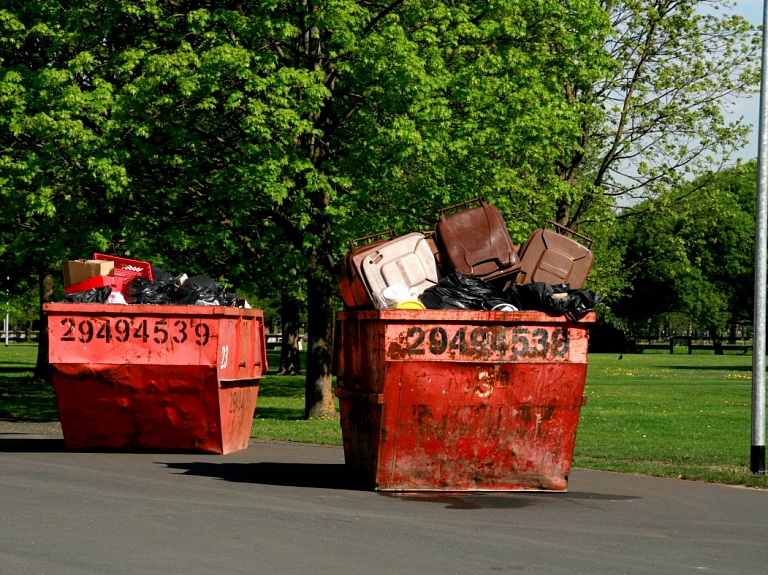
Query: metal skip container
[(150, 377), (444, 400)]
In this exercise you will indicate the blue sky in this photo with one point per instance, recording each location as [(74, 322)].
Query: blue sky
[(752, 10)]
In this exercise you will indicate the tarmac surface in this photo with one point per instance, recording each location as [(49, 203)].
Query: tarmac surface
[(290, 508)]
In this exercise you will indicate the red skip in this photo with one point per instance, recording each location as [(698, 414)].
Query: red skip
[(460, 400), (151, 377)]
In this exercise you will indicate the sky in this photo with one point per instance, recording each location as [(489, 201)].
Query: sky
[(749, 108)]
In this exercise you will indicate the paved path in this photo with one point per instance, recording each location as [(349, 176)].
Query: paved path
[(289, 508)]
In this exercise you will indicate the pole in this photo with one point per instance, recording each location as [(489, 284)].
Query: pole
[(7, 324), (757, 452)]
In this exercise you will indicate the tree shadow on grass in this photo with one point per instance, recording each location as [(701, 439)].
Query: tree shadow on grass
[(22, 399), (722, 368), (10, 368), (281, 386), (279, 413)]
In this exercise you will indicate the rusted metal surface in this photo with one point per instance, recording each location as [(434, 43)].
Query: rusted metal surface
[(156, 377), (458, 400)]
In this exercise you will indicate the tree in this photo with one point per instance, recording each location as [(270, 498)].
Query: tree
[(695, 254), (55, 167), (679, 64), (299, 123), (276, 132)]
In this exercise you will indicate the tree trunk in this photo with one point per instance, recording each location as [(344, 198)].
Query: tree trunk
[(318, 388), (290, 359), (43, 366), (716, 341)]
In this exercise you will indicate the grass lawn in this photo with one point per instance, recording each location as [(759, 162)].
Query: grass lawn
[(19, 399), (679, 416), (684, 416), (280, 411)]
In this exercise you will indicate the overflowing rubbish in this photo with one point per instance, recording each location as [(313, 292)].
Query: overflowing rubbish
[(557, 298), (138, 377), (459, 291), (469, 262), (460, 358), (125, 281), (94, 295), (476, 242), (551, 257)]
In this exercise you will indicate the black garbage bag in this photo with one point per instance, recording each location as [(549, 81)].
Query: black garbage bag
[(161, 276), (95, 295), (557, 298), (162, 290), (140, 290), (229, 298), (458, 291), (202, 290)]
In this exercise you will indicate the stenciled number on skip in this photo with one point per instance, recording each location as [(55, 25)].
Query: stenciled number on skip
[(518, 341), (159, 331)]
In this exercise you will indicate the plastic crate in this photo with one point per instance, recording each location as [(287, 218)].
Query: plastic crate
[(127, 269)]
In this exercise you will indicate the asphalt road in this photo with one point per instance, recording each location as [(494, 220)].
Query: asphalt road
[(290, 508)]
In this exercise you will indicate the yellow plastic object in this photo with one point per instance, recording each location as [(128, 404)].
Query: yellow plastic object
[(411, 304)]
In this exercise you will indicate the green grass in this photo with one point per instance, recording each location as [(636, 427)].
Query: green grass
[(682, 416), (21, 399), (280, 410)]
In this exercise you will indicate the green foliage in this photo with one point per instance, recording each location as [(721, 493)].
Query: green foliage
[(250, 141), (219, 126), (694, 253), (678, 68), (56, 167)]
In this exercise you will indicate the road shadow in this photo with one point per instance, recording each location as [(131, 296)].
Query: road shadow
[(336, 476), (26, 444), (502, 499), (316, 475)]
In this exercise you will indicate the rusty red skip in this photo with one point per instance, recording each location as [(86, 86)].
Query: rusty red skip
[(460, 400), (150, 377)]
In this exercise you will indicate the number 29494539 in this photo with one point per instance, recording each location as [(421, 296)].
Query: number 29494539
[(487, 342), (140, 330)]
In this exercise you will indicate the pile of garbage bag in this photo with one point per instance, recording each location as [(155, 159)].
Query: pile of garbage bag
[(162, 289), (457, 291)]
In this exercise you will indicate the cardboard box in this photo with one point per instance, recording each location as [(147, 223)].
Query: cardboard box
[(76, 271)]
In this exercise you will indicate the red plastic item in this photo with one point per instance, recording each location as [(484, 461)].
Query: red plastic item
[(443, 400), (95, 282), (147, 377), (126, 269)]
